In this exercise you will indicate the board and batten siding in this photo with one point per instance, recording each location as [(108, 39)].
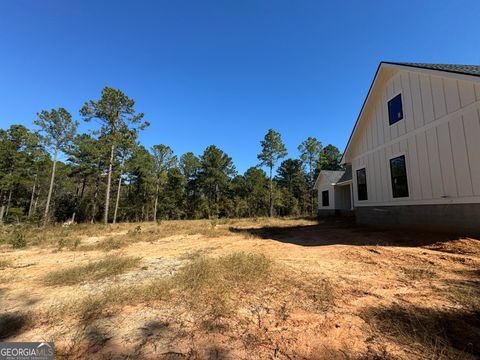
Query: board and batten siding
[(331, 197), (439, 136)]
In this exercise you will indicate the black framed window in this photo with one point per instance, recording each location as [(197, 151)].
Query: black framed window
[(362, 184), (398, 172), (395, 109), (325, 199)]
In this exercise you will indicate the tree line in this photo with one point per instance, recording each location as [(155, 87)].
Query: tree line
[(55, 174)]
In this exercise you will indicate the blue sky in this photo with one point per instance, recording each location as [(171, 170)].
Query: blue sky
[(222, 72)]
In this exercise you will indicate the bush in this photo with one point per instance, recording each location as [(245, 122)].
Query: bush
[(18, 240)]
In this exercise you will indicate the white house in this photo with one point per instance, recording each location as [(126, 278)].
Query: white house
[(415, 149), (334, 192)]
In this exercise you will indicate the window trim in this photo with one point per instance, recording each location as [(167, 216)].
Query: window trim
[(328, 198), (366, 183), (388, 109), (393, 157)]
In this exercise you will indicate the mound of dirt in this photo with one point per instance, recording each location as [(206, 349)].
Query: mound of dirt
[(465, 246)]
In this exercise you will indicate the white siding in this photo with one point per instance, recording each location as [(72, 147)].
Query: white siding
[(331, 197), (439, 136)]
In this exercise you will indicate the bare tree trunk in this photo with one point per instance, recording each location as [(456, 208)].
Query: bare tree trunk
[(312, 190), (156, 202), (8, 202), (77, 190), (95, 197), (2, 207), (118, 197), (109, 183), (52, 179), (78, 198), (271, 194), (36, 201), (30, 208)]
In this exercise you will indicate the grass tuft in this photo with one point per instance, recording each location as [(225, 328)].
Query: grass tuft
[(211, 285), (4, 263), (416, 274), (92, 271)]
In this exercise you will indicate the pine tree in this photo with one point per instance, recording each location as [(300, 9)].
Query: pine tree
[(58, 130), (273, 149), (310, 151), (164, 161), (116, 111)]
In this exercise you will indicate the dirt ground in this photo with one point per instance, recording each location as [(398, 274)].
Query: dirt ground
[(336, 291)]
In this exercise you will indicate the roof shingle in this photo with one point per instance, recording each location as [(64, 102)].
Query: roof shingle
[(454, 68)]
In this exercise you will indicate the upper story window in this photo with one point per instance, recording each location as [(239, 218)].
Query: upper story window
[(398, 172), (395, 110), (325, 199), (362, 184)]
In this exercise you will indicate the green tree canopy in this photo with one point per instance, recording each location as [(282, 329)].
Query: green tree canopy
[(216, 171), (330, 158)]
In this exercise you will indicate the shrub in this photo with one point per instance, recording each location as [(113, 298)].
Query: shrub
[(62, 242), (18, 240)]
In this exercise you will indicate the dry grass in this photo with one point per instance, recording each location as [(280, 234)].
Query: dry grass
[(95, 307), (213, 291), (212, 286), (436, 334), (4, 263), (70, 238), (418, 273), (466, 295), (91, 272)]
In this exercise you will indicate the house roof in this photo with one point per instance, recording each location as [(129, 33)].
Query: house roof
[(453, 68), (470, 70), (331, 176), (347, 175)]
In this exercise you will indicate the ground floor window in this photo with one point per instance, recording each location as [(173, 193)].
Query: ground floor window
[(325, 199), (398, 172), (362, 184)]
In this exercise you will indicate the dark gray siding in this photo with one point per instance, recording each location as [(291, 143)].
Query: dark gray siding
[(459, 219)]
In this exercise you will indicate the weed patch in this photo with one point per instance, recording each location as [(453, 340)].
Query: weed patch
[(4, 263), (92, 271), (416, 274), (18, 240), (211, 286)]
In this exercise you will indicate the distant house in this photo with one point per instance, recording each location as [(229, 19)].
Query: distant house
[(414, 152)]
